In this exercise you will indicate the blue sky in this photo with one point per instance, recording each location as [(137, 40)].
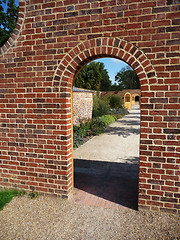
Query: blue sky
[(113, 66)]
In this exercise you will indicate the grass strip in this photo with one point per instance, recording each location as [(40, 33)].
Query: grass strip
[(7, 195)]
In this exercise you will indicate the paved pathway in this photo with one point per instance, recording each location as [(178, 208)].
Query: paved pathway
[(106, 167)]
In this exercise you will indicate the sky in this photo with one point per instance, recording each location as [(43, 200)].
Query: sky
[(113, 66)]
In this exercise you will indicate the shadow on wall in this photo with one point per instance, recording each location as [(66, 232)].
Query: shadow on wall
[(116, 182)]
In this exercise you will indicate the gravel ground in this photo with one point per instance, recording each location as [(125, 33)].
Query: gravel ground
[(52, 218)]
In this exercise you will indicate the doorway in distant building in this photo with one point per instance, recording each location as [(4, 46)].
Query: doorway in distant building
[(137, 99)]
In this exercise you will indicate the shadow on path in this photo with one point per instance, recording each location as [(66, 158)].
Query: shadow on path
[(122, 131), (111, 180), (115, 182)]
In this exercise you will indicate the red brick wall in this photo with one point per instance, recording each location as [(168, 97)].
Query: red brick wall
[(122, 93), (52, 42)]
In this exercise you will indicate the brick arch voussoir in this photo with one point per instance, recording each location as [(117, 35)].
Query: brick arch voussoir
[(95, 48), (14, 36)]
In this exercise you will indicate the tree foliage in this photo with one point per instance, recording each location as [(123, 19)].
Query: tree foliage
[(105, 82), (127, 78), (93, 76), (7, 20)]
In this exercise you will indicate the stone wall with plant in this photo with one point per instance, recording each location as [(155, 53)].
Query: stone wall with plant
[(82, 106)]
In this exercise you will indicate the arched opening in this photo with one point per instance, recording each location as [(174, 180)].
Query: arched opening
[(136, 98), (67, 70), (128, 100), (128, 97), (105, 174)]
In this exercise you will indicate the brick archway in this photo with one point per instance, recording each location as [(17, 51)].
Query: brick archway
[(80, 55), (52, 41), (89, 50)]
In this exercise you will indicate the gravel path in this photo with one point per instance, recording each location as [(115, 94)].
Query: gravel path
[(119, 143), (55, 219)]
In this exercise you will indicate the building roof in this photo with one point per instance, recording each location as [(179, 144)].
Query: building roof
[(75, 89)]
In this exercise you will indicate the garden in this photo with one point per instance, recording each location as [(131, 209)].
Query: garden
[(106, 110)]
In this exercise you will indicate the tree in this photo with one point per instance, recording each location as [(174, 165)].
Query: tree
[(105, 82), (93, 76), (7, 20), (115, 87), (127, 79)]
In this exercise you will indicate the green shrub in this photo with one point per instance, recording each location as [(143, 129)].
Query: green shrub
[(94, 127), (107, 119), (77, 140), (115, 102), (82, 129), (117, 116), (97, 126), (100, 106), (80, 132)]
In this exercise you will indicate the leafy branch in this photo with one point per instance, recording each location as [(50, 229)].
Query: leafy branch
[(8, 20)]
